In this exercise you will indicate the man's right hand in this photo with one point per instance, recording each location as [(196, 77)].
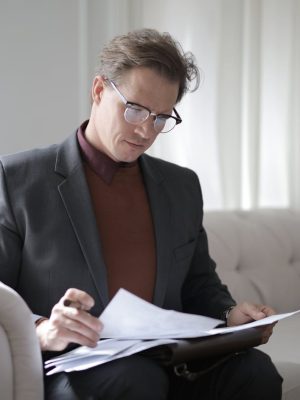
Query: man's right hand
[(70, 325)]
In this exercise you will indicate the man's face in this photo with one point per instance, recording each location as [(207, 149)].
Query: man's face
[(109, 132)]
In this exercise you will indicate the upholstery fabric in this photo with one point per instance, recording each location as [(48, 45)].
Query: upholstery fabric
[(258, 257), (21, 373)]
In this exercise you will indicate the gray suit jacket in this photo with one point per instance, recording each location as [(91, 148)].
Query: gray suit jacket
[(49, 239)]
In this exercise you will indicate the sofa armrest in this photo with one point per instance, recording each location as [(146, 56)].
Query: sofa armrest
[(21, 360)]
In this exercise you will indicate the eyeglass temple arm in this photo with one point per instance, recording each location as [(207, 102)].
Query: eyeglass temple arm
[(117, 90), (178, 117)]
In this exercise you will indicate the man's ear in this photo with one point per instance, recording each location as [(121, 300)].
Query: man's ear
[(97, 89)]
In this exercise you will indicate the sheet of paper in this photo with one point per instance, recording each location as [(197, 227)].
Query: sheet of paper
[(110, 350), (104, 349), (130, 317), (260, 322)]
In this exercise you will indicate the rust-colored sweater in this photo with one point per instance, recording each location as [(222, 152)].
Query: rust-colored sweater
[(124, 220)]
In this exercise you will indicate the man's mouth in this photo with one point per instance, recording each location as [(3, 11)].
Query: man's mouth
[(136, 145)]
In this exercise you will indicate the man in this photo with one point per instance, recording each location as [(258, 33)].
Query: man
[(82, 219)]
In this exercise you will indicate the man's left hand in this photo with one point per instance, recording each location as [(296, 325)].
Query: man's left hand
[(247, 312)]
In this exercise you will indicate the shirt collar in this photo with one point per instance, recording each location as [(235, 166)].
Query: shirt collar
[(98, 161)]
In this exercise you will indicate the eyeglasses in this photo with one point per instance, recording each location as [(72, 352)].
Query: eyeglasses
[(136, 114)]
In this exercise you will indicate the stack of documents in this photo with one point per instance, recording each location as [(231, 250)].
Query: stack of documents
[(132, 325), (106, 350)]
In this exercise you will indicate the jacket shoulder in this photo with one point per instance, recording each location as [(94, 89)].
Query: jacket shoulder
[(25, 159), (168, 169)]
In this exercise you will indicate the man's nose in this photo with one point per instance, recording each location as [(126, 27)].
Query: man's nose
[(146, 129)]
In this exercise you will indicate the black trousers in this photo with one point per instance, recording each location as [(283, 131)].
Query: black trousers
[(247, 376)]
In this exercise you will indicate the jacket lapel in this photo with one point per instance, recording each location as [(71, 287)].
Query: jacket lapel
[(76, 198), (161, 213)]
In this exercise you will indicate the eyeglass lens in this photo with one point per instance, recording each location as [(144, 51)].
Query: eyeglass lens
[(137, 115)]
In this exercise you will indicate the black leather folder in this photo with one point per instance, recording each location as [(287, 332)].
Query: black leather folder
[(206, 348)]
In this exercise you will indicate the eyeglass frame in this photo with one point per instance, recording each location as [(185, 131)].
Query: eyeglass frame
[(127, 103)]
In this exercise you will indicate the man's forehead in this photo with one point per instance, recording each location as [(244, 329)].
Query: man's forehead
[(149, 85)]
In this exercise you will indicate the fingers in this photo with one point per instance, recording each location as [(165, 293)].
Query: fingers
[(267, 331), (69, 324), (76, 326), (78, 298), (76, 319), (243, 313), (246, 312), (267, 310), (254, 311), (56, 337)]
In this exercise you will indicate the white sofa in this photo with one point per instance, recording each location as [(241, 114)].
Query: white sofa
[(21, 372), (258, 257)]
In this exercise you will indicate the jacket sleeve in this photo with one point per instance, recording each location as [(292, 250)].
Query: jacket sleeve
[(203, 292), (10, 240)]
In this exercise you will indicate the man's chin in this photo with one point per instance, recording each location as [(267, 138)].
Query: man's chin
[(128, 158)]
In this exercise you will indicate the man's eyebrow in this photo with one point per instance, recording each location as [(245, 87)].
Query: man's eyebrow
[(147, 108)]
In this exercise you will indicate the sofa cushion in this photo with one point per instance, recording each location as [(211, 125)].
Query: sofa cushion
[(284, 349), (258, 255), (285, 343), (291, 384)]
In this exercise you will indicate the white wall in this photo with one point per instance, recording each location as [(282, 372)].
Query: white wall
[(39, 80), (48, 55), (249, 51)]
